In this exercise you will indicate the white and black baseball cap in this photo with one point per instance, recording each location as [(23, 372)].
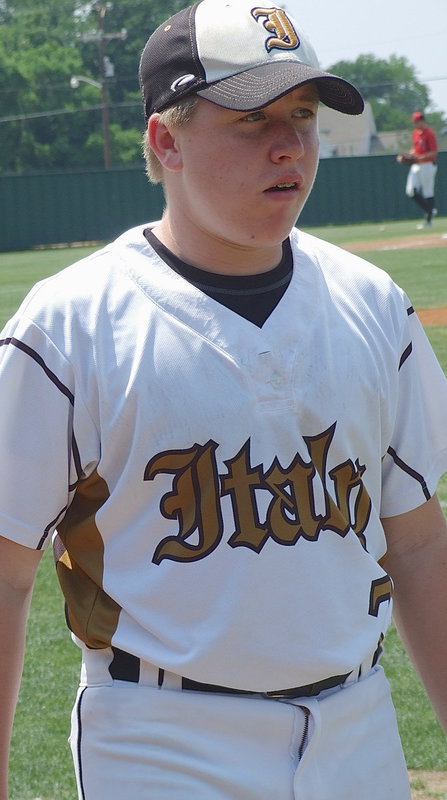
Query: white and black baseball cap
[(238, 55)]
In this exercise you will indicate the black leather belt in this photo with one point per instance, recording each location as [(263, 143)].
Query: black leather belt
[(126, 667)]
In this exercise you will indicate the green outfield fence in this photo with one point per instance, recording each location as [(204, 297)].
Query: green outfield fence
[(95, 205)]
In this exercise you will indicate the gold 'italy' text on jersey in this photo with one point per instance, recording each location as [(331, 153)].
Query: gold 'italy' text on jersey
[(197, 489)]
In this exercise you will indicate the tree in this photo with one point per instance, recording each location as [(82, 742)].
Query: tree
[(36, 64), (46, 124), (139, 18), (390, 86)]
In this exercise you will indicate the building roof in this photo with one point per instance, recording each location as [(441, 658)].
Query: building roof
[(345, 135)]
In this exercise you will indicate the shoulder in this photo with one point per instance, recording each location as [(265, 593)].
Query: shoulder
[(79, 290), (345, 266), (354, 285), (73, 313)]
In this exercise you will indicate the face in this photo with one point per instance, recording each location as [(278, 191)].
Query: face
[(243, 177)]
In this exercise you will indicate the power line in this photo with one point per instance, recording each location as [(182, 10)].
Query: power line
[(61, 111), (133, 78)]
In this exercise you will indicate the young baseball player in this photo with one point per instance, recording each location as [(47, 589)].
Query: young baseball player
[(420, 185), (231, 432)]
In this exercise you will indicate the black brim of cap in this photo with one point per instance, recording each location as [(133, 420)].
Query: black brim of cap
[(260, 86)]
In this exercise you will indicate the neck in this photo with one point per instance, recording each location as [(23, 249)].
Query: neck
[(215, 254)]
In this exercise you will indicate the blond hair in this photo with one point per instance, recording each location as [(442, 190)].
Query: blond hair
[(173, 117)]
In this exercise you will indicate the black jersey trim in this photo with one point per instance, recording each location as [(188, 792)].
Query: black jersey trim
[(407, 352), (70, 396), (410, 471), (76, 457), (39, 360), (50, 525)]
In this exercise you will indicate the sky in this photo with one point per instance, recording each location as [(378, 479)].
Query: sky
[(344, 29)]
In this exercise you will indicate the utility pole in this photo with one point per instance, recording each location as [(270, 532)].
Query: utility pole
[(101, 38)]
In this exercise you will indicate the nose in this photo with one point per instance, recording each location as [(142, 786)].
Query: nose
[(287, 143)]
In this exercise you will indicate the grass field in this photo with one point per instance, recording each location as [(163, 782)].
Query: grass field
[(41, 763)]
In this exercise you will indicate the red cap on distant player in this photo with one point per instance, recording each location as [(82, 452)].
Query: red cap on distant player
[(417, 115)]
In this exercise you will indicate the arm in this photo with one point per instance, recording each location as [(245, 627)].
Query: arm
[(431, 154), (18, 567), (417, 562)]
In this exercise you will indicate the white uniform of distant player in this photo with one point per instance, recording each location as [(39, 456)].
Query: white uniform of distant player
[(207, 463)]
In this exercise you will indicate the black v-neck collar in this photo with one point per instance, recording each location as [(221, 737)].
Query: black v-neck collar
[(253, 297)]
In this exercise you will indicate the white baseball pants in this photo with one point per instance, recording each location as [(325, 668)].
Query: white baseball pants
[(137, 742), (421, 179)]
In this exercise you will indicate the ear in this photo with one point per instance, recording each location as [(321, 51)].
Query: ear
[(164, 144)]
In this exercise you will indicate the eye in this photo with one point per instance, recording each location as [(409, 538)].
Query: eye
[(254, 116), (304, 113)]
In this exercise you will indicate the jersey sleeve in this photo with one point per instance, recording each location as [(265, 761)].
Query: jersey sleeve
[(416, 456), (40, 448)]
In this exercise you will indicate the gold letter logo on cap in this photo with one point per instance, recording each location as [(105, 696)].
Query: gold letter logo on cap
[(277, 22)]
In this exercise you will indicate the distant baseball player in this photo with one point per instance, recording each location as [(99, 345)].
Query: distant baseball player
[(232, 433), (420, 184)]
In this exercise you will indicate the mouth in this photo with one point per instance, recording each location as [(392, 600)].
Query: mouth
[(287, 186)]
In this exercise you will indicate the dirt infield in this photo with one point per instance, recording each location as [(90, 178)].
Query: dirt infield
[(400, 243), (433, 316), (428, 316), (428, 785)]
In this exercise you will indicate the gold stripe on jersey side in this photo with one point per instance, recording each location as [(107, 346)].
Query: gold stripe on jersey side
[(79, 552), (381, 592)]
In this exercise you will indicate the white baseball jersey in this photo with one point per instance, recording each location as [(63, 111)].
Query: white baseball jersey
[(215, 487)]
